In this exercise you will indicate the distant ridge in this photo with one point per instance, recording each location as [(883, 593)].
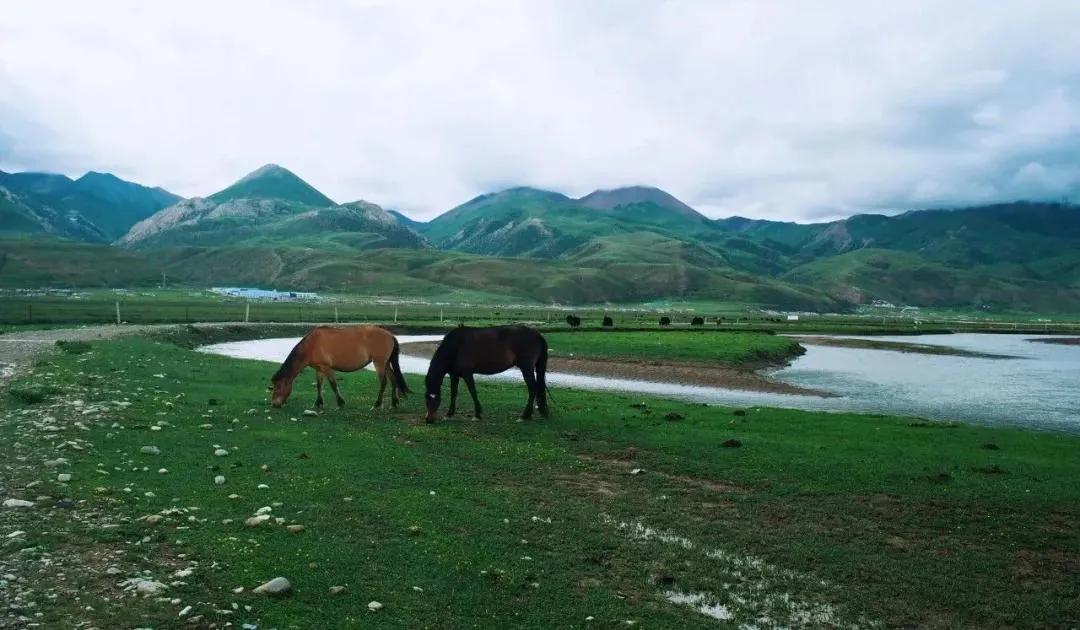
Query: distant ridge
[(95, 207), (631, 195)]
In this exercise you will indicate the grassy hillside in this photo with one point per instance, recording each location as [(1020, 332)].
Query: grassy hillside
[(390, 271)]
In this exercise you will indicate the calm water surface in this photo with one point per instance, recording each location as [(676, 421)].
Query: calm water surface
[(1039, 389)]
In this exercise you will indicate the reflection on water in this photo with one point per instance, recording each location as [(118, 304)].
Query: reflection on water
[(1039, 389)]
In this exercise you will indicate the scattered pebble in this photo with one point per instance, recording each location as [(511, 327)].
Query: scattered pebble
[(150, 450), (219, 480), (255, 521), (295, 529), (337, 590), (18, 503), (63, 477), (374, 606), (220, 452)]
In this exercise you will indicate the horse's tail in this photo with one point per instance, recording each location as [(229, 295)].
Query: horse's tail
[(541, 375), (399, 378)]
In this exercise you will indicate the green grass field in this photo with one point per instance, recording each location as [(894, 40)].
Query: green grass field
[(815, 520), (155, 306), (729, 348)]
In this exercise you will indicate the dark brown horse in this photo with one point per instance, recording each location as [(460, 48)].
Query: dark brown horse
[(345, 349), (467, 351)]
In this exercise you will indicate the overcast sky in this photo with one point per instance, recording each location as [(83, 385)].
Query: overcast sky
[(787, 110)]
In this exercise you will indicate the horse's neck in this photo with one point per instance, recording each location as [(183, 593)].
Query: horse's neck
[(294, 370)]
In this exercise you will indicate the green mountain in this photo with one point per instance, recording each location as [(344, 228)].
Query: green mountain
[(273, 182), (95, 207), (225, 218), (628, 244), (545, 224)]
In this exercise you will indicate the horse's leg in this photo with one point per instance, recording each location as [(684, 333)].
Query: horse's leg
[(318, 389), (541, 386), (530, 383), (453, 395), (380, 370), (393, 385), (329, 374), (471, 384)]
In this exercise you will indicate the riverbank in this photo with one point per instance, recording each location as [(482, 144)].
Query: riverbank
[(679, 372), (1060, 341), (894, 346), (621, 508)]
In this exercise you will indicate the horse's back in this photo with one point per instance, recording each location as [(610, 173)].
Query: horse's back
[(348, 348), (496, 349)]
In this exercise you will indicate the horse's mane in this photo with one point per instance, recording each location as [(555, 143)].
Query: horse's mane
[(288, 366)]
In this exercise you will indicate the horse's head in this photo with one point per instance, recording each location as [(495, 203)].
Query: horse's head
[(432, 399), (281, 387), (432, 395)]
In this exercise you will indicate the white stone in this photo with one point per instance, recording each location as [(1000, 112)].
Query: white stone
[(374, 606), (17, 503), (276, 586)]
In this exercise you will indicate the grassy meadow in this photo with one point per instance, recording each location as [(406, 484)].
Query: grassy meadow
[(618, 510), (735, 349)]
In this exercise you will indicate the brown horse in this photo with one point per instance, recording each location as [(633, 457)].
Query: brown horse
[(345, 349), (467, 351)]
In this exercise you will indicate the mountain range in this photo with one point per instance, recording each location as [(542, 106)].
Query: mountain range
[(628, 244)]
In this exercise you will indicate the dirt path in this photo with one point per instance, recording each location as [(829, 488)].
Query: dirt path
[(683, 373), (19, 349)]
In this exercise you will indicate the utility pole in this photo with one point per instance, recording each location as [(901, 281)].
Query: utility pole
[(118, 312), (247, 312)]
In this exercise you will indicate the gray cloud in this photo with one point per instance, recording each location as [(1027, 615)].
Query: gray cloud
[(776, 110)]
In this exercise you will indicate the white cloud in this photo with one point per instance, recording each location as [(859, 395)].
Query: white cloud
[(779, 110)]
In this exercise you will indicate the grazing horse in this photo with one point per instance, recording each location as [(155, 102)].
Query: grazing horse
[(345, 349), (467, 351)]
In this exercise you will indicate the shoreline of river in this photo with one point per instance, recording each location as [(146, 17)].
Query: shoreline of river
[(683, 373)]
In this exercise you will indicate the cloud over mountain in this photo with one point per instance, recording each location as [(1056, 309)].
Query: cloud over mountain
[(777, 110)]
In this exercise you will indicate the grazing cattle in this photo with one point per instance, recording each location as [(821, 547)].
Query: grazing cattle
[(665, 321), (345, 349), (573, 321), (697, 321), (467, 351), (608, 322)]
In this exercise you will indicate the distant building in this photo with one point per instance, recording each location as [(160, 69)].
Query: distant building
[(793, 318), (264, 294)]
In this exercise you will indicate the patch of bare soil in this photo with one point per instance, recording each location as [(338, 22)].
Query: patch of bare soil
[(628, 464), (679, 372)]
